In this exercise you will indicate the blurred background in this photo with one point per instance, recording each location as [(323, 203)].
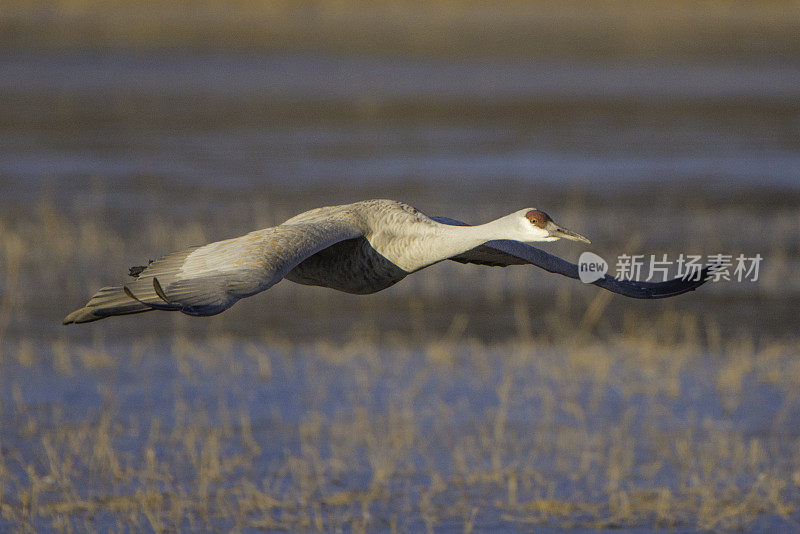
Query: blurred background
[(129, 129)]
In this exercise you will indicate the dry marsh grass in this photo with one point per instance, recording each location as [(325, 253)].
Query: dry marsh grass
[(408, 416), (366, 437)]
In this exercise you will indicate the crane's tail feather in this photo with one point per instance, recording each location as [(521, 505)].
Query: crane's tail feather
[(105, 303)]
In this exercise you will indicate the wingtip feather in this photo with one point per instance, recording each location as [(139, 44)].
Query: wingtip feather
[(83, 315)]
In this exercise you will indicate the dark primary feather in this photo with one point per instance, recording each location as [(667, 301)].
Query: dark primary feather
[(137, 296), (504, 252), (136, 270)]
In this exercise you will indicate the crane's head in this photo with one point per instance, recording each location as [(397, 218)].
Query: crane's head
[(538, 226)]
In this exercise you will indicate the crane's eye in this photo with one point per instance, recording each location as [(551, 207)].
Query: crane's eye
[(537, 218)]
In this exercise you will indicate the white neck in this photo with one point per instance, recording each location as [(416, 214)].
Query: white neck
[(462, 238), (431, 243), (458, 239)]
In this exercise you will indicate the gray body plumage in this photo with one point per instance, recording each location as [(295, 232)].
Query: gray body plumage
[(352, 266), (358, 248)]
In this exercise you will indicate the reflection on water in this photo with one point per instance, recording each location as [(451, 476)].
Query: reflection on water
[(228, 120), (297, 77)]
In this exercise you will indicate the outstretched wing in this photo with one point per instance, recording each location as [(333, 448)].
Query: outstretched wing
[(209, 279), (504, 252)]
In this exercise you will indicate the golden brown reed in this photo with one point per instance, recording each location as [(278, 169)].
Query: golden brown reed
[(606, 428)]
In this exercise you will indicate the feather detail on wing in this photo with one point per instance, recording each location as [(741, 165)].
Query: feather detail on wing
[(504, 252), (207, 280)]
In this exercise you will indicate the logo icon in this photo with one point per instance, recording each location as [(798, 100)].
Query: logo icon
[(591, 267)]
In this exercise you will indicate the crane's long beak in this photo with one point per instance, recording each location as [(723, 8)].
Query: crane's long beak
[(557, 231)]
